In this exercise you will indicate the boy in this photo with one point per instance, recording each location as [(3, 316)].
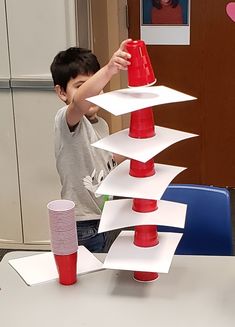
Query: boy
[(77, 75)]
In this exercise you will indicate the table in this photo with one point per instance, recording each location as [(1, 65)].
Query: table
[(198, 291)]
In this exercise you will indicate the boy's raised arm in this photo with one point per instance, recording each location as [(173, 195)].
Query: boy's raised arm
[(95, 84)]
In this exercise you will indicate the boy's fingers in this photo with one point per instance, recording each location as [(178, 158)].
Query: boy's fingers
[(121, 67), (123, 44), (123, 54), (122, 61)]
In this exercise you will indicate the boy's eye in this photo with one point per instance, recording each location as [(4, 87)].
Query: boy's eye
[(77, 85)]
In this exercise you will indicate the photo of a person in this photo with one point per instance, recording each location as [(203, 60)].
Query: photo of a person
[(165, 12)]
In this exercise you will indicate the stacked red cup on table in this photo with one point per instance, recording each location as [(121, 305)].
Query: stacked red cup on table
[(64, 242)]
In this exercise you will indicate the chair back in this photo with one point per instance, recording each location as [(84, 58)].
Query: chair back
[(208, 220)]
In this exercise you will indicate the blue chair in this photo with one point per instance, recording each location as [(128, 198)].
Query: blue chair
[(208, 228)]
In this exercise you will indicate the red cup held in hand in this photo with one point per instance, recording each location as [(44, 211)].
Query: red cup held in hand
[(140, 71)]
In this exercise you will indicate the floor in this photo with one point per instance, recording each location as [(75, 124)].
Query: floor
[(232, 197)]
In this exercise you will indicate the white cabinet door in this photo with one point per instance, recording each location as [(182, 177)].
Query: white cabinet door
[(37, 30), (10, 216), (31, 33), (39, 183), (4, 56)]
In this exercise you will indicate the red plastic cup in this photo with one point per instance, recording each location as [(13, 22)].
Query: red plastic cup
[(140, 71), (143, 205), (146, 236), (142, 123), (143, 276), (67, 268), (142, 169), (64, 242)]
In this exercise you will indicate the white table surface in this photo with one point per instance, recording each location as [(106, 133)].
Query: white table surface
[(198, 291)]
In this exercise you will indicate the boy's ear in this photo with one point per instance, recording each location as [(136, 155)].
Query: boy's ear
[(61, 93)]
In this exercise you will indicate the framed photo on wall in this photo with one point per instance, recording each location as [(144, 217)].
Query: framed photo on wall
[(165, 22)]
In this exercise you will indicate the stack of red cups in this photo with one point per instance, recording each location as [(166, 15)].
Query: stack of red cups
[(140, 73)]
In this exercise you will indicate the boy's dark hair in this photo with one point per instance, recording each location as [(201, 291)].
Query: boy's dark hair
[(72, 62), (158, 5)]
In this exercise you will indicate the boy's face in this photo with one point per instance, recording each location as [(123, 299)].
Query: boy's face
[(72, 87)]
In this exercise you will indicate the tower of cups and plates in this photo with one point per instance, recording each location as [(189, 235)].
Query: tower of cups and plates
[(138, 181)]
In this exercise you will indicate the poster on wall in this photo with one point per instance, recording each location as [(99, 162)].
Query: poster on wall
[(165, 22)]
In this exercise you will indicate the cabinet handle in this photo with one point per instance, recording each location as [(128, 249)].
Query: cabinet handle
[(4, 83), (23, 83)]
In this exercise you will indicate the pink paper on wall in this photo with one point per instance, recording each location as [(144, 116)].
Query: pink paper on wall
[(230, 9)]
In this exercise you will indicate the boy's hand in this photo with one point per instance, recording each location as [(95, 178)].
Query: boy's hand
[(94, 85), (119, 60)]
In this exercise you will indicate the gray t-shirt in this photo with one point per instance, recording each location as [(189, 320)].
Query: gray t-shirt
[(81, 167)]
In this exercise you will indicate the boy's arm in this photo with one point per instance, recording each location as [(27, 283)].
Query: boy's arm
[(95, 84)]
